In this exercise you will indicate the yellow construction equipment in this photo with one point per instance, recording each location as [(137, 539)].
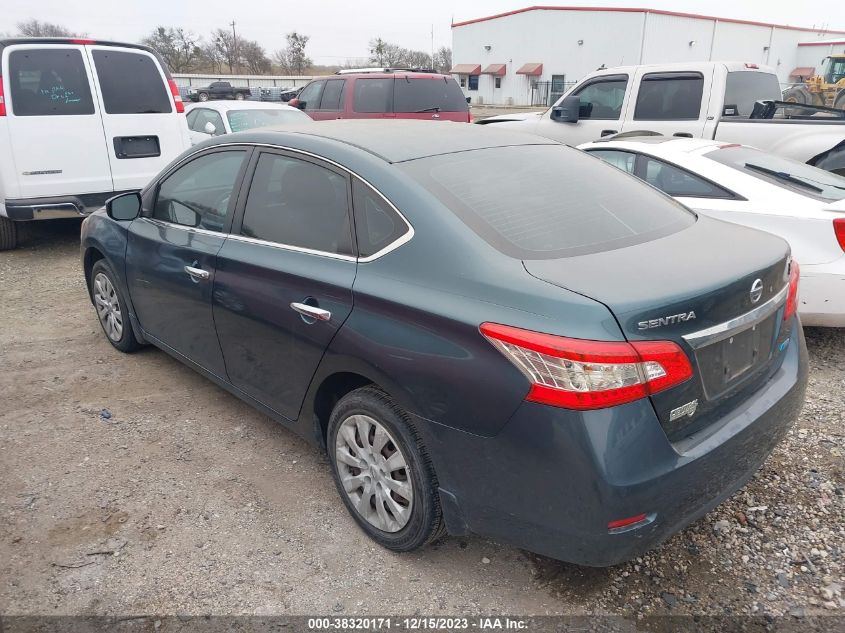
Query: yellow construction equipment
[(827, 89)]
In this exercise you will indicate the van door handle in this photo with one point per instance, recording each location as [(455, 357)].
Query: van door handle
[(608, 132), (197, 274), (683, 134), (311, 312)]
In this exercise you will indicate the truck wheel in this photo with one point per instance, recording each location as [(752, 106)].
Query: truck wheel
[(203, 96), (239, 96), (8, 234), (796, 94)]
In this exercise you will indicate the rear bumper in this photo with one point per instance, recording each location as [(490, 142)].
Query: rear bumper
[(73, 206), (553, 479), (822, 294)]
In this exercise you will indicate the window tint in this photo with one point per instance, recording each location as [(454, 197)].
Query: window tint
[(310, 95), (130, 83), (203, 116), (191, 117), (620, 160), (414, 95), (332, 94), (678, 182), (240, 120), (547, 201), (49, 82), (198, 193), (377, 225), (602, 99), (373, 95), (743, 88), (669, 97), (297, 203)]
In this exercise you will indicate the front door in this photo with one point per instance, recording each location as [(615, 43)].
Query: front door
[(284, 277), (172, 254)]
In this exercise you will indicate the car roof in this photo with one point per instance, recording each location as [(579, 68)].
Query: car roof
[(730, 66), (225, 106), (410, 74), (397, 141), (668, 143)]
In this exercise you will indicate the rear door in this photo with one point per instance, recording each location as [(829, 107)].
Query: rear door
[(671, 103), (372, 98), (143, 131), (330, 104), (53, 117), (284, 277)]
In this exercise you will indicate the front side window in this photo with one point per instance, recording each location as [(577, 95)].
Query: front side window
[(198, 193), (373, 95), (296, 203), (603, 99), (669, 97), (310, 95), (332, 94), (130, 83), (678, 182), (377, 225), (47, 82), (621, 160), (203, 117)]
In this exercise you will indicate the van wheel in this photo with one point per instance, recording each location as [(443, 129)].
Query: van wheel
[(203, 96), (111, 308), (382, 471), (8, 234)]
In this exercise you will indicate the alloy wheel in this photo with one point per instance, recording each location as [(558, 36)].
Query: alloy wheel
[(108, 307)]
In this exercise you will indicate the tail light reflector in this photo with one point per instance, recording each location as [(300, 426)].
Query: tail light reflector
[(581, 374), (2, 98), (792, 293), (177, 98), (838, 223), (620, 523)]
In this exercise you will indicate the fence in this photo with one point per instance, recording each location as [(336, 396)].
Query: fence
[(243, 81), (545, 93)]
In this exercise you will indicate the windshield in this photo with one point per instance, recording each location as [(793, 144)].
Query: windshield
[(439, 94), (240, 120), (744, 88), (548, 201), (784, 172)]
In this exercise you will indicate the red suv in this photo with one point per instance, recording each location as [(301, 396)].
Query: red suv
[(384, 94)]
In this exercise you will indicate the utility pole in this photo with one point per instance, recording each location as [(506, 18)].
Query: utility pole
[(234, 49), (433, 64)]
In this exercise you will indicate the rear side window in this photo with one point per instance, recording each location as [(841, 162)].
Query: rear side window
[(377, 225), (669, 97), (373, 95), (332, 94), (428, 95), (48, 82), (547, 201), (130, 83), (198, 193), (621, 160), (296, 203), (679, 182)]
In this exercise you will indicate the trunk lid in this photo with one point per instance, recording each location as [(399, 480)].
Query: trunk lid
[(686, 288)]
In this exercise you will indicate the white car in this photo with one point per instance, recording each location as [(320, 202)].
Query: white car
[(737, 183), (215, 118)]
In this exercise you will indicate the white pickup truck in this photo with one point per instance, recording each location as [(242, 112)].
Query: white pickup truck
[(712, 100)]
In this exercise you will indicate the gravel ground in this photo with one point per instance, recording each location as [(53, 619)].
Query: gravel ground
[(129, 484)]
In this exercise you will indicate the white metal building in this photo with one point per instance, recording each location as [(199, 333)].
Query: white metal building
[(530, 55)]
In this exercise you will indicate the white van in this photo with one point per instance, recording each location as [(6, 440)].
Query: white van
[(81, 121)]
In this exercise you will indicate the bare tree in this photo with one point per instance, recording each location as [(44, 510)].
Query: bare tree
[(211, 57), (253, 57), (292, 59), (37, 28), (443, 59), (179, 48), (388, 55), (226, 46)]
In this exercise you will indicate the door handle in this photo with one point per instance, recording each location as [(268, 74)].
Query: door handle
[(683, 134), (197, 274), (608, 132), (311, 312)]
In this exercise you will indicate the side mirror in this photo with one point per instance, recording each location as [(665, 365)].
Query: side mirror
[(124, 207), (209, 128), (568, 110)]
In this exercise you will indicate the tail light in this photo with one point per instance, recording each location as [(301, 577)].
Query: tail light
[(470, 118), (838, 223), (581, 374), (83, 40), (177, 98), (2, 98), (792, 293)]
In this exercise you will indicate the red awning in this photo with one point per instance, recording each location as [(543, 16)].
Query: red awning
[(803, 71), (533, 70), (466, 69), (498, 70)]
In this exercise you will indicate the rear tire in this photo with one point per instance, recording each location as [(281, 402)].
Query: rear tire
[(239, 96), (840, 101), (110, 305), (8, 234), (796, 94), (203, 96), (387, 473)]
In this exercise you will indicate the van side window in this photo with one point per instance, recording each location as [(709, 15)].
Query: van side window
[(130, 83), (296, 203), (377, 225), (602, 99), (373, 95), (47, 82), (198, 193), (669, 97)]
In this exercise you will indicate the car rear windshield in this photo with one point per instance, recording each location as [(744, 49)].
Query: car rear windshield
[(548, 201), (784, 172), (744, 87), (240, 120), (440, 94), (130, 83)]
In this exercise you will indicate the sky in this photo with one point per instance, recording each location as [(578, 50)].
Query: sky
[(342, 30)]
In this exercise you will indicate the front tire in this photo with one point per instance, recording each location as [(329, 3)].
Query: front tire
[(382, 471), (8, 234), (111, 308)]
